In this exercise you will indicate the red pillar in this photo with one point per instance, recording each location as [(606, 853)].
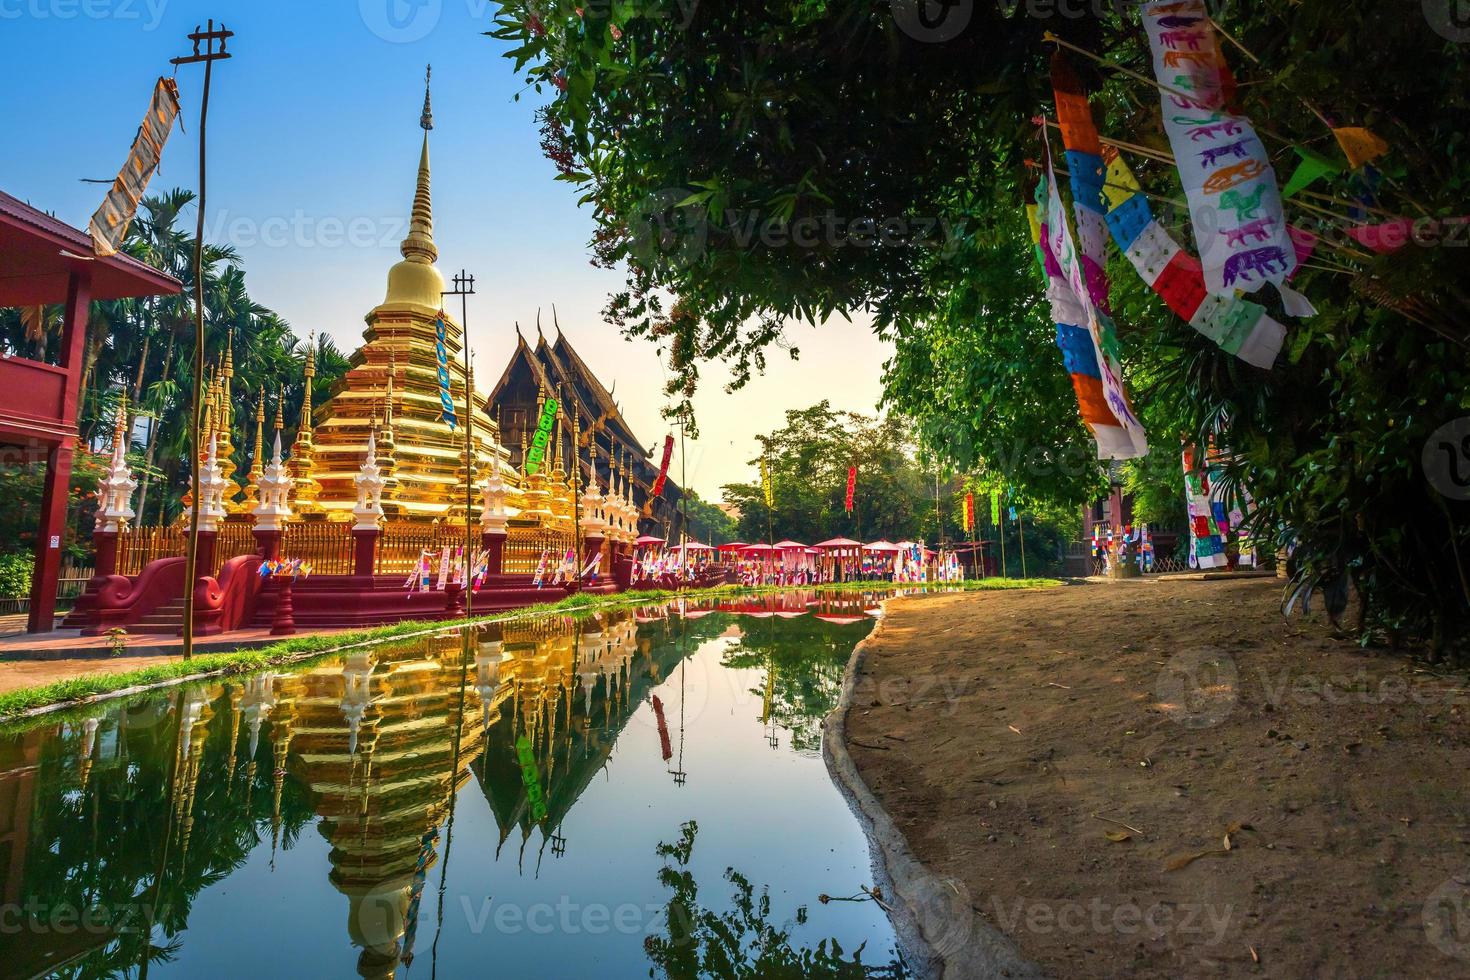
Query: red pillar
[(494, 544), (49, 534), (268, 544), (55, 496), (364, 551), (104, 551), (592, 547), (204, 565)]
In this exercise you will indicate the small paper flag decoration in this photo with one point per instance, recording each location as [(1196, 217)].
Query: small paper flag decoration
[(1360, 145), (1314, 166), (1234, 203), (442, 353)]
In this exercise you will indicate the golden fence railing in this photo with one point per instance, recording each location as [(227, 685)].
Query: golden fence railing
[(141, 545), (326, 546), (524, 547), (401, 543)]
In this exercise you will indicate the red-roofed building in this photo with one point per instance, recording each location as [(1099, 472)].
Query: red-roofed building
[(45, 261)]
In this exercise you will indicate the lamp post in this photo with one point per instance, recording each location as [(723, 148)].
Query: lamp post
[(191, 563), (464, 288)]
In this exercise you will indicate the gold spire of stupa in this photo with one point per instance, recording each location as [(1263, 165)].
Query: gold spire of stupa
[(302, 451), (257, 460), (401, 339), (226, 445)]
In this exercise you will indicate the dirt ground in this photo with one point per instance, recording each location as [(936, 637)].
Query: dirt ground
[(1000, 729)]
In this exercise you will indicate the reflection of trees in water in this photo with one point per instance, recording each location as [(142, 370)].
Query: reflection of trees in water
[(803, 660), (111, 799), (741, 942)]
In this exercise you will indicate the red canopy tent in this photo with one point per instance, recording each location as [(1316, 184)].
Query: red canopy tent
[(45, 261)]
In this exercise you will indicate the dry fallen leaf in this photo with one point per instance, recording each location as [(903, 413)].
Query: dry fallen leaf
[(1255, 957), (1185, 860), (1118, 836), (1014, 729)]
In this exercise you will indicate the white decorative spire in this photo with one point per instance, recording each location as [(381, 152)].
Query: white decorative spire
[(370, 483), (211, 488), (115, 489), (275, 489)]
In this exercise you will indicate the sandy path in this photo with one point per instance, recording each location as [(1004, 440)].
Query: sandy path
[(995, 726)]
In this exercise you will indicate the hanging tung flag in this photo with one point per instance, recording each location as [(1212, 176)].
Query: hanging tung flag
[(995, 507), (969, 512), (663, 468), (442, 353), (1360, 145), (1115, 427), (536, 454), (851, 486), (1314, 167), (1234, 203), (110, 224), (1237, 325), (768, 485)]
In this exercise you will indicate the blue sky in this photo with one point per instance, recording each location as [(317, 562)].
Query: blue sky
[(313, 141)]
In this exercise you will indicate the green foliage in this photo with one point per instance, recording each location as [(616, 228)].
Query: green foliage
[(15, 575), (742, 941), (809, 458), (707, 522), (683, 138)]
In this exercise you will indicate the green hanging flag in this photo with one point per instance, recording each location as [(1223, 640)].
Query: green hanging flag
[(1313, 167), (995, 507)]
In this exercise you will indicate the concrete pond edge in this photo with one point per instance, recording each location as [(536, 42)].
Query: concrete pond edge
[(938, 929)]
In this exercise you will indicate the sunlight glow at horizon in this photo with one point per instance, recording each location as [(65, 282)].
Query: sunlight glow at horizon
[(313, 142)]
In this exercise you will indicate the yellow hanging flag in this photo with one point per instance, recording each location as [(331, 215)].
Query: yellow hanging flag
[(768, 485), (1360, 145)]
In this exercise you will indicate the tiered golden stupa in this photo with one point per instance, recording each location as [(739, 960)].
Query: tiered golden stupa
[(428, 455)]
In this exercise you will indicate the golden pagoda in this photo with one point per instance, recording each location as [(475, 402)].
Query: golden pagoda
[(402, 332)]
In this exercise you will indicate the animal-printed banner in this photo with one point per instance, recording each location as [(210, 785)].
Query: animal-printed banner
[(1072, 305), (1239, 326), (1233, 198), (1102, 185)]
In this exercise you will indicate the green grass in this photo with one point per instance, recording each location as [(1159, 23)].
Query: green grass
[(302, 648)]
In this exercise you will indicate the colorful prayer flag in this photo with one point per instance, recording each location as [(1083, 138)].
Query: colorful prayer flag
[(1234, 204)]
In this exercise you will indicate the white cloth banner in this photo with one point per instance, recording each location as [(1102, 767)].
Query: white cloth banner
[(1234, 203)]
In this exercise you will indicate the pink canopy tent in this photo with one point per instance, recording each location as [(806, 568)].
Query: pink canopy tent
[(647, 540), (758, 549), (733, 546), (837, 543), (694, 546), (882, 547), (789, 546)]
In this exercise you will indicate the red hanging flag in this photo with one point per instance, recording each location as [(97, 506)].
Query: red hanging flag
[(663, 468), (969, 511), (851, 486)]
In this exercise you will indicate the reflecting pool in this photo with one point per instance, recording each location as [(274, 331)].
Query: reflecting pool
[(635, 793)]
